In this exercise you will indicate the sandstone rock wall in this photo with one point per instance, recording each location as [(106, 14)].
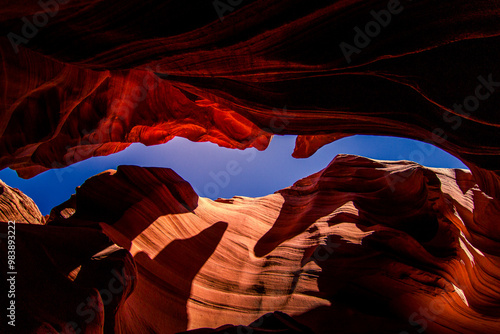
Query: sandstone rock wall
[(361, 246)]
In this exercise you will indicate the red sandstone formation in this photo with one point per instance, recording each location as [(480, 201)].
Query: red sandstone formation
[(84, 83), (363, 246), (16, 206), (408, 247)]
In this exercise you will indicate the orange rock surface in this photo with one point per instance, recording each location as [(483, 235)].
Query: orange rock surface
[(361, 246), (16, 206), (145, 71)]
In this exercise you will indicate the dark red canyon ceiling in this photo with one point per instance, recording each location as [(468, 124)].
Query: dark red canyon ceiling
[(85, 84), (99, 75)]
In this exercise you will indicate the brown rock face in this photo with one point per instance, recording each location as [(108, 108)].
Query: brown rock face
[(148, 70), (361, 246), (16, 206)]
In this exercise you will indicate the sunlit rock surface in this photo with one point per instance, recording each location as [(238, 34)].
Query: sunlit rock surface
[(16, 206), (361, 246)]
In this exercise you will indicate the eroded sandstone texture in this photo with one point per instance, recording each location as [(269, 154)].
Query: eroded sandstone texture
[(16, 206), (363, 246), (99, 75)]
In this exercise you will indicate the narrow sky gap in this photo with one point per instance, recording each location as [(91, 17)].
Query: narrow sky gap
[(217, 172)]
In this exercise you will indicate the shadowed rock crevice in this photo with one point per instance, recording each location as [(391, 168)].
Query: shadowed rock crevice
[(365, 245), (92, 92), (368, 246)]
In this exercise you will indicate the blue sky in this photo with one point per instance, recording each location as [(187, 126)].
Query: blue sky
[(219, 172)]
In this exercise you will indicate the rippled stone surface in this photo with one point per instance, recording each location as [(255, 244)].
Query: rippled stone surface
[(100, 75), (361, 246), (16, 206)]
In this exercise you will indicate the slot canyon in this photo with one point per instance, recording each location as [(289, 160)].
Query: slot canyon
[(361, 246)]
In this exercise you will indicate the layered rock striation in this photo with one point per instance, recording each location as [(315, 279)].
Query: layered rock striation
[(99, 75), (16, 206), (361, 246)]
